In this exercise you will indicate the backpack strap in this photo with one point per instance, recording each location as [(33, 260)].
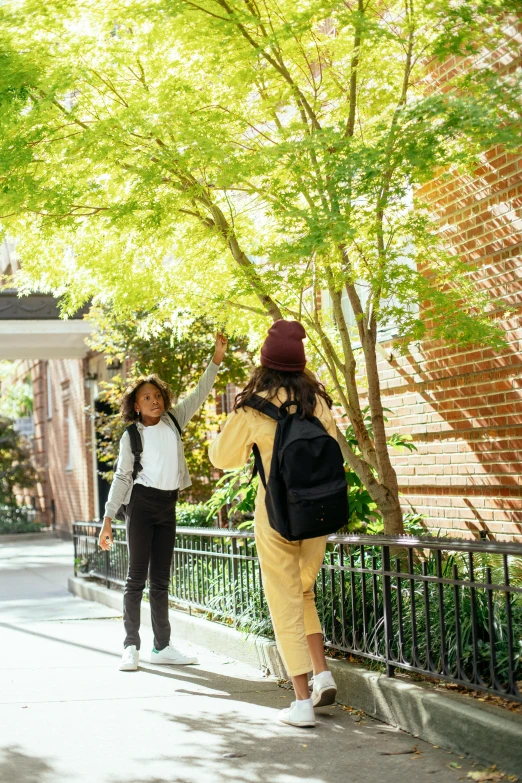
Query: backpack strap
[(263, 406), (269, 409), (258, 466), (136, 448), (175, 422)]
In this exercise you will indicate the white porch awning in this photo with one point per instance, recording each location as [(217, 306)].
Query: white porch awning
[(30, 328), (36, 339)]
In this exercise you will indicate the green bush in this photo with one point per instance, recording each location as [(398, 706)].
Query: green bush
[(18, 519), (342, 612), (16, 468), (228, 589), (194, 515)]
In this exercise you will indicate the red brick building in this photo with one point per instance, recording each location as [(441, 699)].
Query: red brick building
[(65, 394), (63, 434), (54, 354), (464, 407)]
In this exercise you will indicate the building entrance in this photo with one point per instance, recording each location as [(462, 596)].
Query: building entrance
[(102, 468)]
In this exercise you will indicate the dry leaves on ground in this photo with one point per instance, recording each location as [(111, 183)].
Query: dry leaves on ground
[(352, 710), (491, 775)]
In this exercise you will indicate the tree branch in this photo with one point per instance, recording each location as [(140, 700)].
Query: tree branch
[(249, 309), (350, 125)]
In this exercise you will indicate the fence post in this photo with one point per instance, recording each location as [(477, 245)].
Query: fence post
[(387, 605), (234, 577), (107, 566)]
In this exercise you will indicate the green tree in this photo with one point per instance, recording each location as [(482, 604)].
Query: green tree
[(16, 396), (16, 468), (179, 356), (246, 158)]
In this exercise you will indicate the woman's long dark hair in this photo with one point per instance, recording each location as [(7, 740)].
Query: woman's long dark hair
[(301, 387)]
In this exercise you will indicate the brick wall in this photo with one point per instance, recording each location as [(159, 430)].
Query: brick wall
[(62, 437), (40, 441), (464, 407)]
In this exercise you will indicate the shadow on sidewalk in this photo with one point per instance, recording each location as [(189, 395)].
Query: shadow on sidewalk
[(196, 675), (222, 740), (243, 749), (19, 766)]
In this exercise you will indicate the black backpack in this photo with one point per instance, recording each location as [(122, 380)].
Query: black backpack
[(306, 491), (137, 449)]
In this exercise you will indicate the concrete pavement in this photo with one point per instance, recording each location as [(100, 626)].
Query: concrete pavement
[(67, 714)]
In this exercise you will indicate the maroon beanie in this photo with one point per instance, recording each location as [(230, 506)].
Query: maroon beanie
[(283, 348)]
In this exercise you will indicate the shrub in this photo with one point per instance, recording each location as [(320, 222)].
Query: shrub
[(16, 468), (194, 515), (342, 613), (18, 519)]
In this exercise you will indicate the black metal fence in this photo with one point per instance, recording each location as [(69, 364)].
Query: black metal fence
[(451, 609)]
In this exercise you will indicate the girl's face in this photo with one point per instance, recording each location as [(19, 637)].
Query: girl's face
[(149, 403)]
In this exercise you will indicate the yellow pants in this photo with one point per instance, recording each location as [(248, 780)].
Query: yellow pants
[(289, 570)]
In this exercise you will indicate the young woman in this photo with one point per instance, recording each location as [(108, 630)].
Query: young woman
[(150, 501), (289, 568)]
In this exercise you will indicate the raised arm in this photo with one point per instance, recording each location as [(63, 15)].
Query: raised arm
[(185, 409)]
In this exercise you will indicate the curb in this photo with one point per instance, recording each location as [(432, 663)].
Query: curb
[(255, 651), (486, 733)]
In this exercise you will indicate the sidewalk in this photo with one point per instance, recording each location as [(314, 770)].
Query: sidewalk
[(67, 714)]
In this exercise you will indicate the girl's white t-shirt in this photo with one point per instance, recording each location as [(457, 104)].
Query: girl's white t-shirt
[(159, 458)]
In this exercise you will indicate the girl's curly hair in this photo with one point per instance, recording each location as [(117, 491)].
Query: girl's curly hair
[(128, 413)]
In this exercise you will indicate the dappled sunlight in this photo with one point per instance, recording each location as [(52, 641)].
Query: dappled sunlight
[(463, 426), (236, 746)]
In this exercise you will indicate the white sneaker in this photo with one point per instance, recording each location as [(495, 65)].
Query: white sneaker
[(300, 713), (129, 659), (324, 689), (169, 655)]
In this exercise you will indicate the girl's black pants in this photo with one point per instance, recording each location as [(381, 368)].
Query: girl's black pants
[(151, 529)]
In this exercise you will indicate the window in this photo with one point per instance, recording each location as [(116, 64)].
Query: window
[(69, 436)]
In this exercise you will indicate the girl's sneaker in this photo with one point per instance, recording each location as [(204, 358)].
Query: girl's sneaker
[(169, 655), (324, 689), (129, 659), (299, 713)]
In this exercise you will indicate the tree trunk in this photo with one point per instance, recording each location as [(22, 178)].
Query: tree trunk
[(386, 498)]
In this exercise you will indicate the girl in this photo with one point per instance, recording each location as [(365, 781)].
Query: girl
[(150, 503), (289, 568)]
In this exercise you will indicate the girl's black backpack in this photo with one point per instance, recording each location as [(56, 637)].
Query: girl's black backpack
[(306, 491), (137, 448)]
